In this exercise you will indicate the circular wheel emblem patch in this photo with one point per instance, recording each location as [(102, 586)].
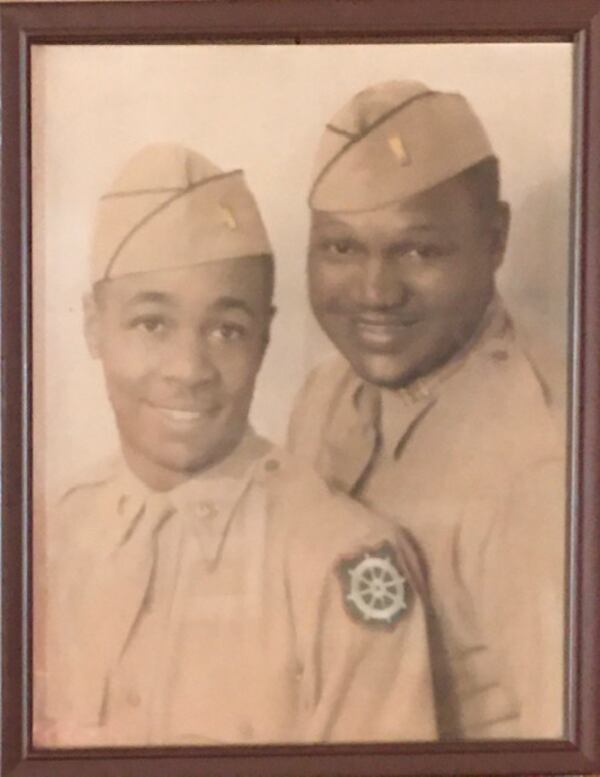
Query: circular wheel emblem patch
[(374, 590)]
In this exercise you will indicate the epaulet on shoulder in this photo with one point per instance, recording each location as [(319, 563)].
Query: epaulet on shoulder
[(298, 488), (280, 466), (290, 480), (87, 481)]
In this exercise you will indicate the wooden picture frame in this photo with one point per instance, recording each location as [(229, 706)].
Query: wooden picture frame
[(295, 22)]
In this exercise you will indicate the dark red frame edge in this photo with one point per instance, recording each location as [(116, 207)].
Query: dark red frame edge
[(300, 20)]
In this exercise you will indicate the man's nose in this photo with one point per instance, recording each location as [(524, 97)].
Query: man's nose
[(382, 282), (188, 359)]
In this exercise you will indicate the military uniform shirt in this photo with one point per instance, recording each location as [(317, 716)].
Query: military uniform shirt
[(218, 613), (469, 460)]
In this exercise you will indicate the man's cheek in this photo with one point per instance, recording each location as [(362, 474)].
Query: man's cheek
[(240, 387), (131, 363), (330, 295), (327, 278), (126, 385)]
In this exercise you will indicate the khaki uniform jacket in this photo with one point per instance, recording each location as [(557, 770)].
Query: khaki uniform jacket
[(220, 613), (469, 461)]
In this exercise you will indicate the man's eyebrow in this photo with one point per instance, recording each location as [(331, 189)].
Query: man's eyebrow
[(233, 303), (151, 296), (426, 227), (327, 220)]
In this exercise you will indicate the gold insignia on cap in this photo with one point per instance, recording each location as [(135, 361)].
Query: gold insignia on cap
[(398, 149), (227, 217)]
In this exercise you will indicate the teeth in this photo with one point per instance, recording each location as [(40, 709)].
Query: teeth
[(378, 326), (180, 415)]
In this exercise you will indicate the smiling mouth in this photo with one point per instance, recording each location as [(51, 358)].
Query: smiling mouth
[(382, 331), (379, 324), (183, 417)]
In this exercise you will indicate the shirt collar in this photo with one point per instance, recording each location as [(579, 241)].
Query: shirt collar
[(205, 502), (401, 408), (493, 322)]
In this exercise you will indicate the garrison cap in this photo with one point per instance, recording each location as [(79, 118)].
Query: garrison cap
[(391, 141), (170, 207)]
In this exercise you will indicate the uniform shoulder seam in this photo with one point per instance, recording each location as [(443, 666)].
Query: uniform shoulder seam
[(100, 476)]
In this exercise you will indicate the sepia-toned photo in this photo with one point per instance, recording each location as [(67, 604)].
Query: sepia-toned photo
[(301, 379)]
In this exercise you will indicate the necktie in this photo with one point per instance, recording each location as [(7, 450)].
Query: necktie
[(352, 439)]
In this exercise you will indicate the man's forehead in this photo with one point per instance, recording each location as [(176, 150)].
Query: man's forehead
[(212, 283), (424, 212)]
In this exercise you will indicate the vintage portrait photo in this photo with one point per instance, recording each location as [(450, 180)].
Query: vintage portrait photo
[(301, 385)]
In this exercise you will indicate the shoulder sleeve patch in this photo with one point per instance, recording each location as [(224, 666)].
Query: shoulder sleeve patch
[(374, 591)]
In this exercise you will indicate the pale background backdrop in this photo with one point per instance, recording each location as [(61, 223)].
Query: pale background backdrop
[(262, 108)]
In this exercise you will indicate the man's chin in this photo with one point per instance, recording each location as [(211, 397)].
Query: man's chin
[(188, 465), (385, 371), (163, 470), (191, 461)]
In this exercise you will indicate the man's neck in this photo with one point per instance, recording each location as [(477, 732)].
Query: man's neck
[(426, 385), (157, 477)]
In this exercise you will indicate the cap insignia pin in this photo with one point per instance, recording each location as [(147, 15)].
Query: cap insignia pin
[(227, 217), (398, 149)]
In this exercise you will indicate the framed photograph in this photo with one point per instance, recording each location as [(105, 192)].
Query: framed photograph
[(300, 374)]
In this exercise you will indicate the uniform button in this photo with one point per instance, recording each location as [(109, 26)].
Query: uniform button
[(133, 699), (205, 510), (271, 465)]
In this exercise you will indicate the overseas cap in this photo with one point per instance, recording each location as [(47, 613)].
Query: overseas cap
[(392, 141), (170, 207)]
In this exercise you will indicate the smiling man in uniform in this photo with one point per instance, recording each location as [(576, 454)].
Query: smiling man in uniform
[(193, 596), (433, 412)]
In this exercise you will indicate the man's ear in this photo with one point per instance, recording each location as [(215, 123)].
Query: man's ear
[(91, 324), (499, 233)]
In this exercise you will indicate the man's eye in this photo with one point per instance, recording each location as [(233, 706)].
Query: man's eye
[(339, 247), (149, 324), (421, 251), (228, 332)]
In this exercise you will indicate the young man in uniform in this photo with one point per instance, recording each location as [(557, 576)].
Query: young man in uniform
[(432, 412), (203, 589)]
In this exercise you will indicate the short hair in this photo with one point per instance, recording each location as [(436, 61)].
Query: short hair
[(483, 183)]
